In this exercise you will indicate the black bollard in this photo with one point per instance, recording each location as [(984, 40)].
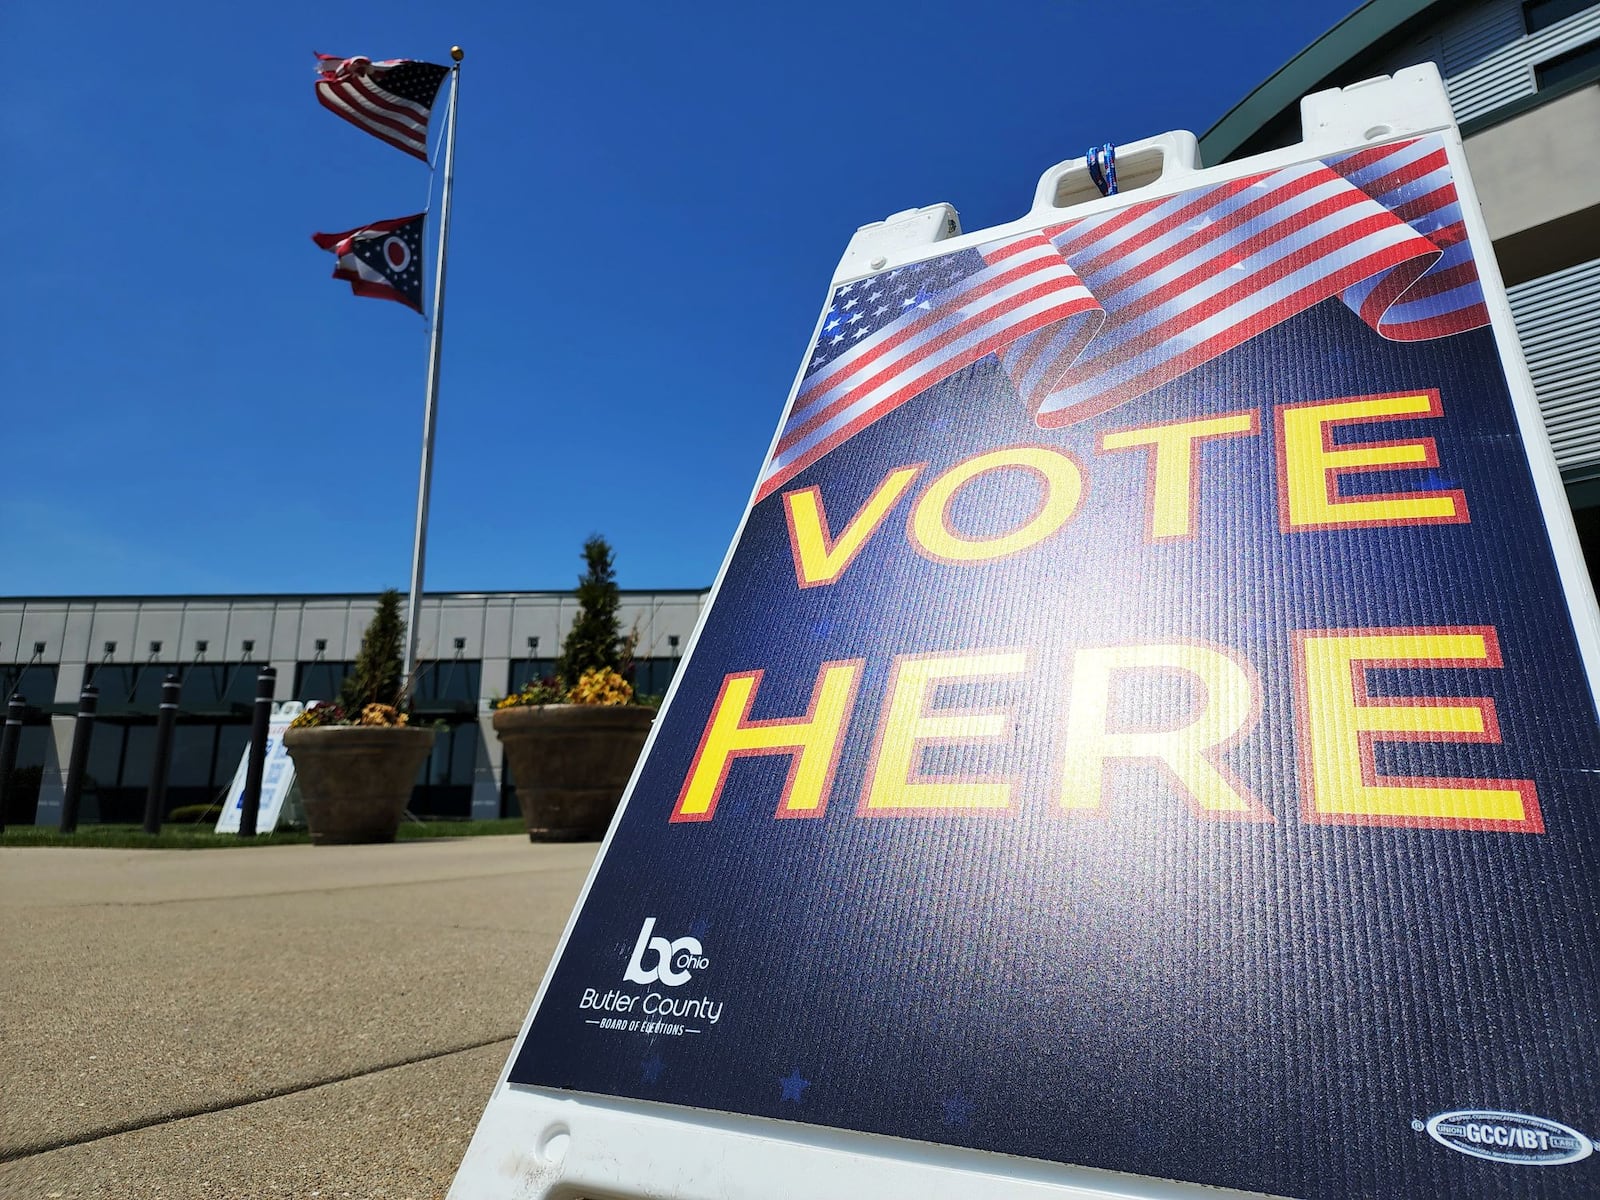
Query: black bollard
[(155, 797), (9, 737), (266, 684), (82, 734)]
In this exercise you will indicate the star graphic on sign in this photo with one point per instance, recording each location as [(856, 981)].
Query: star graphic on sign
[(651, 1068), (700, 928), (793, 1087), (1435, 482), (958, 1109)]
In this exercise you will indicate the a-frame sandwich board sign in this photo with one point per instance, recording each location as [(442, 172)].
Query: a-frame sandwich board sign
[(1142, 738)]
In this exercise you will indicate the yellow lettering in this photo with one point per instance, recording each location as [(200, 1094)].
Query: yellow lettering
[(1229, 709), (929, 526), (894, 782), (818, 558), (1173, 483), (1339, 722), (812, 741), (1310, 465)]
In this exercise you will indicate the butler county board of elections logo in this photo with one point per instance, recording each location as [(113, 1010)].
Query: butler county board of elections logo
[(673, 962), (669, 963)]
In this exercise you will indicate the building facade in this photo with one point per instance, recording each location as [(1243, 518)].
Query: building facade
[(472, 648), (1524, 82)]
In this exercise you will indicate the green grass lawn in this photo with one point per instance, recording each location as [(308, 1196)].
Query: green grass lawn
[(204, 837)]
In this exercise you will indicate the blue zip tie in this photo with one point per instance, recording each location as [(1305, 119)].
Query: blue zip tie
[(1102, 162)]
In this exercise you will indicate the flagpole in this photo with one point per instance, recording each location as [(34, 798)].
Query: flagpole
[(419, 543)]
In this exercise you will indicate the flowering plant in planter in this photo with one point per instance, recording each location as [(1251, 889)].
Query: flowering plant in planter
[(572, 739), (374, 693), (597, 686), (334, 714), (356, 758)]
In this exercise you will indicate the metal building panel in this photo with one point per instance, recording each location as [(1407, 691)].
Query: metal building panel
[(272, 627), (117, 624), (536, 617), (159, 623), (464, 619), (1471, 37), (206, 623), (497, 613), (12, 648), (329, 621), (77, 625), (1558, 319), (1508, 73)]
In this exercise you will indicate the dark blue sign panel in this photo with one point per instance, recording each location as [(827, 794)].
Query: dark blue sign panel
[(1139, 726)]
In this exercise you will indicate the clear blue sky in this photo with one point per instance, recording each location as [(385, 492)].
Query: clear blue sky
[(649, 203)]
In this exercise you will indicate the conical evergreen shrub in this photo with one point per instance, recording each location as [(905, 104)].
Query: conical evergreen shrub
[(376, 677), (595, 641)]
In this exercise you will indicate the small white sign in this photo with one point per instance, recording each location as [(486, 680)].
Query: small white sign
[(277, 776)]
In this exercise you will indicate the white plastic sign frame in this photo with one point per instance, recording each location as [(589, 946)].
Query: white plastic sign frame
[(277, 776), (552, 1141)]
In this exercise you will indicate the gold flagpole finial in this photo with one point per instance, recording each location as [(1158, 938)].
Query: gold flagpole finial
[(455, 53)]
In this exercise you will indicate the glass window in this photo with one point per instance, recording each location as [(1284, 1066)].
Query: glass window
[(212, 686), (231, 743), (138, 756), (33, 756), (131, 685), (192, 750), (319, 680), (527, 670), (104, 766), (36, 684), (115, 681), (1541, 14), (651, 676), (118, 772), (148, 679), (444, 784), (1584, 62), (448, 681)]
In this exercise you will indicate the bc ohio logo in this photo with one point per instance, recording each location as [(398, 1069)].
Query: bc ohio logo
[(673, 963), (1507, 1137)]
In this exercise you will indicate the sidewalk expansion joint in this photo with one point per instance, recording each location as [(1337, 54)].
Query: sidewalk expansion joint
[(31, 1149), (314, 891)]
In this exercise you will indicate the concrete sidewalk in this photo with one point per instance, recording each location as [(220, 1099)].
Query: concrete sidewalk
[(276, 1021)]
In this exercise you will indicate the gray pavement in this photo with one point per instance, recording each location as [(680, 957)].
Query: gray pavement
[(275, 1021)]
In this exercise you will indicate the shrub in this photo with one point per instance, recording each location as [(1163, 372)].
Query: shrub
[(380, 663), (595, 641), (196, 814)]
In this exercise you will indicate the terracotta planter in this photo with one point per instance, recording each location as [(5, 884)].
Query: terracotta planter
[(572, 763), (355, 780)]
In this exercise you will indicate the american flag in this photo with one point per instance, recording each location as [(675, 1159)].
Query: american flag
[(383, 260), (1412, 180), (890, 336), (390, 100), (1093, 313)]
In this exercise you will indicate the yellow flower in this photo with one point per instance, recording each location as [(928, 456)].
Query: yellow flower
[(602, 686)]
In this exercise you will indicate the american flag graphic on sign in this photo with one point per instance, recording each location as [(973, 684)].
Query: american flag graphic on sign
[(890, 336), (390, 100), (1093, 313)]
